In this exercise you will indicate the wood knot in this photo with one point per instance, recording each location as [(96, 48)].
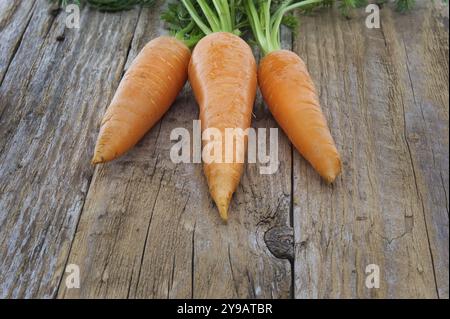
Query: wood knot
[(280, 242), (60, 38)]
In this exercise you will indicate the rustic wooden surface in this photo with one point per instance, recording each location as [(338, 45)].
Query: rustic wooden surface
[(385, 93), (143, 227)]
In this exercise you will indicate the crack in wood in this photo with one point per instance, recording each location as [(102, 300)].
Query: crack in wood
[(193, 262), (148, 233), (235, 284), (419, 194), (16, 47)]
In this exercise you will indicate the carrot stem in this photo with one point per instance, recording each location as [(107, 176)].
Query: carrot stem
[(196, 17), (213, 20), (266, 28), (220, 18), (232, 13), (256, 26), (267, 19)]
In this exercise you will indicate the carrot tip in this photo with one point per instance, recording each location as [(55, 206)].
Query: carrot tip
[(97, 160), (331, 177), (223, 211)]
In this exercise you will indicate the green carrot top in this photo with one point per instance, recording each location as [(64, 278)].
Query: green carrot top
[(266, 23), (190, 20)]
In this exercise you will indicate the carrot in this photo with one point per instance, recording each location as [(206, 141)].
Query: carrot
[(146, 92), (292, 99), (289, 91), (223, 76)]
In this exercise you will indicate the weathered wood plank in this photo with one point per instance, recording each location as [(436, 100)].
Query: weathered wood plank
[(423, 52), (375, 213), (112, 232), (51, 101), (149, 228), (14, 19)]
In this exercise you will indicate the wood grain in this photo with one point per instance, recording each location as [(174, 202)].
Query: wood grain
[(51, 100), (144, 227), (390, 207), (424, 48), (14, 19)]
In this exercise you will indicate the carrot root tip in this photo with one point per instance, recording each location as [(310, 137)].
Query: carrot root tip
[(330, 178), (97, 160), (222, 198), (223, 211)]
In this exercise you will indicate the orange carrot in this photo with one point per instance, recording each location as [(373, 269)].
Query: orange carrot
[(223, 76), (289, 90), (290, 94), (145, 93)]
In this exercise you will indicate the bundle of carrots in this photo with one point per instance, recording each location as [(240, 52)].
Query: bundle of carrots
[(222, 73), (224, 76)]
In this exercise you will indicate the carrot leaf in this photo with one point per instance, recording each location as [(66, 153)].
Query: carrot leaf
[(190, 20)]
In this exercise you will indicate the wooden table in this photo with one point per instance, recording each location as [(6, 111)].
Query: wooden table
[(143, 227)]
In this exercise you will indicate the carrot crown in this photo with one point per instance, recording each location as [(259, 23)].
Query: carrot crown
[(220, 18), (266, 24), (190, 20)]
